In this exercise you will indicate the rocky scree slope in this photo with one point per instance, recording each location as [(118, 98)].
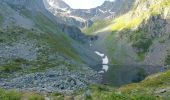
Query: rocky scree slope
[(32, 43), (154, 87)]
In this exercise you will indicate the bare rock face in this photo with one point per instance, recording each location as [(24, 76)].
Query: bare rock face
[(60, 4)]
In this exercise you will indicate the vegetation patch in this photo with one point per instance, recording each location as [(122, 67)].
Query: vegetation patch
[(141, 42), (97, 25), (107, 93), (10, 95), (15, 95), (133, 19), (55, 36)]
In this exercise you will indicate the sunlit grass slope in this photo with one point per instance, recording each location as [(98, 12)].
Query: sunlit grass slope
[(140, 13)]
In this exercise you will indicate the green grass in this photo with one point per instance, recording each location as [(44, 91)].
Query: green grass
[(15, 95), (124, 22), (150, 85), (57, 96), (9, 95), (107, 93), (97, 25), (132, 20)]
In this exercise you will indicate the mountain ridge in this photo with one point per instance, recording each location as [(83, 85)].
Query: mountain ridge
[(85, 17)]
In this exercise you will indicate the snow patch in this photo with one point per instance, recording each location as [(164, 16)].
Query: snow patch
[(105, 62)]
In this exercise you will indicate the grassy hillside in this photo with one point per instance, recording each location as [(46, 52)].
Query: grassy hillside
[(97, 25), (141, 13), (14, 95), (133, 25), (154, 87)]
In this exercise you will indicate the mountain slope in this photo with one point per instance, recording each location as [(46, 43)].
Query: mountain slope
[(33, 44), (138, 38), (142, 27), (38, 53), (145, 26)]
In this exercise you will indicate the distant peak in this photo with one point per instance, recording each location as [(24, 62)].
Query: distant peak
[(58, 4)]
